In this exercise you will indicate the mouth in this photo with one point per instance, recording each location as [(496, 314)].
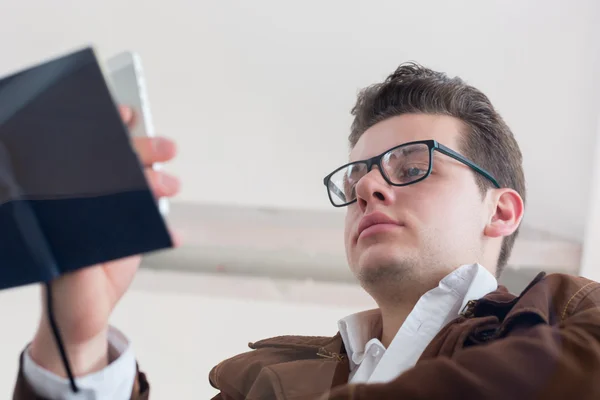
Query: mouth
[(376, 222)]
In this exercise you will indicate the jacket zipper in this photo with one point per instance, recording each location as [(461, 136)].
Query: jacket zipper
[(328, 354), (468, 309)]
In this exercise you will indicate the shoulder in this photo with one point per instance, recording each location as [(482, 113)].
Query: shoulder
[(563, 294), (241, 371), (561, 285)]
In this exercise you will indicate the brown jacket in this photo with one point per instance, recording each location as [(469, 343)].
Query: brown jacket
[(543, 344)]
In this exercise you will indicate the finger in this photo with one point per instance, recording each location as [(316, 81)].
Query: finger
[(127, 115), (162, 184), (154, 149), (176, 238)]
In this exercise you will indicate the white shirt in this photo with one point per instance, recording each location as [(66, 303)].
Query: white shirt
[(115, 382), (370, 361)]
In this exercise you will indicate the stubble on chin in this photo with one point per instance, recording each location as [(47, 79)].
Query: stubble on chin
[(388, 280)]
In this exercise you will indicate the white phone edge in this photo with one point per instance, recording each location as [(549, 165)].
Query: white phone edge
[(124, 60)]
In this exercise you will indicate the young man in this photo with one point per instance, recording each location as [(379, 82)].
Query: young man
[(434, 193)]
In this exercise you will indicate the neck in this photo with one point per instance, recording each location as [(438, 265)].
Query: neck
[(396, 305), (392, 319)]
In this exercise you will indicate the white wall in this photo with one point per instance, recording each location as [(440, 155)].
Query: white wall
[(181, 327), (250, 89), (590, 263)]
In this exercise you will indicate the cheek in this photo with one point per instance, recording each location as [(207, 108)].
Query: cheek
[(447, 208), (349, 227), (460, 213)]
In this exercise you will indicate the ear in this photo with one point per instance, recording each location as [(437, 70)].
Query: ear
[(507, 210)]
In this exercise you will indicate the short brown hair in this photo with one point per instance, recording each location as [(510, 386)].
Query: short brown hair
[(488, 142)]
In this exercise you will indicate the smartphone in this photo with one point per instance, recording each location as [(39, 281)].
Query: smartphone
[(62, 205), (128, 88)]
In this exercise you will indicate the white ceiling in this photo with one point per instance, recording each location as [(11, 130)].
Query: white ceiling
[(258, 93)]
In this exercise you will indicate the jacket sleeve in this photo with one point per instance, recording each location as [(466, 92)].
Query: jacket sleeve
[(24, 391), (543, 361)]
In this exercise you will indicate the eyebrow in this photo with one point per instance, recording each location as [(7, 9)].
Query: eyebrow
[(405, 151), (414, 149)]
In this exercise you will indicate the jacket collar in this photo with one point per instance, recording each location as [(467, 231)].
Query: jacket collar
[(319, 344), (324, 347), (334, 346)]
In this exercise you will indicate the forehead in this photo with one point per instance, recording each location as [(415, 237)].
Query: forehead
[(407, 128)]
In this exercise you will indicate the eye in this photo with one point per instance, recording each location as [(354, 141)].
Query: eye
[(414, 171), (410, 172)]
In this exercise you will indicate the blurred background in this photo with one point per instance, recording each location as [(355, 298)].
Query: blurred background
[(258, 97)]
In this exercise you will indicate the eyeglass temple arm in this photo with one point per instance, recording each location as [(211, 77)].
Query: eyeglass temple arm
[(451, 153)]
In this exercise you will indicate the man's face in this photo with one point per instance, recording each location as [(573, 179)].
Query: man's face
[(438, 222)]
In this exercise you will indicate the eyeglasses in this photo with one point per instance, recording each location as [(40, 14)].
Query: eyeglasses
[(402, 165)]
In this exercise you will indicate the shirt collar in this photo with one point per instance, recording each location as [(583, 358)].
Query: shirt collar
[(468, 282)]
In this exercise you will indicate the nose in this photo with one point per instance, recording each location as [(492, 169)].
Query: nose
[(372, 188)]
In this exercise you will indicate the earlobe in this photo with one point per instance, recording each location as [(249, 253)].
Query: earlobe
[(507, 213)]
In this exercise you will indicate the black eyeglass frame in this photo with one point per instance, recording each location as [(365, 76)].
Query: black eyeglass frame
[(433, 145)]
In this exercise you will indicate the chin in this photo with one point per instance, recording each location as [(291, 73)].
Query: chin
[(383, 259)]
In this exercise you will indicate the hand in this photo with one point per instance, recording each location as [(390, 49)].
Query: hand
[(83, 300)]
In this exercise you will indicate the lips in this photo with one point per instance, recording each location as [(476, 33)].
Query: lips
[(375, 218)]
